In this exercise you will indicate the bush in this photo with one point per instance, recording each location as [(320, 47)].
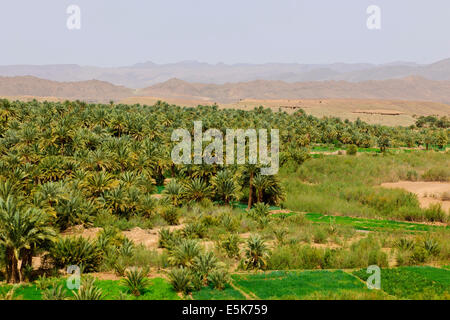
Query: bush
[(204, 264), (437, 174), (352, 150), (320, 236), (219, 279), (194, 230), (184, 253), (434, 213), (259, 210), (171, 215), (180, 278), (136, 281), (231, 245), (76, 251), (256, 253), (88, 290), (168, 239), (412, 175), (55, 293)]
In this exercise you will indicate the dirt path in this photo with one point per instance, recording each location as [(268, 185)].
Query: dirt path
[(247, 296)]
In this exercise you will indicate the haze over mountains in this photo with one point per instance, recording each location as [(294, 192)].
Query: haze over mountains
[(409, 88), (142, 75), (425, 87)]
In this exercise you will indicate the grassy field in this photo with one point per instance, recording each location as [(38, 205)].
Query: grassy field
[(414, 282), (371, 224), (398, 283), (333, 185), (158, 289), (284, 284)]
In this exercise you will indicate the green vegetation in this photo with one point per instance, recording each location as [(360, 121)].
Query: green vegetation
[(158, 289), (350, 185), (414, 282), (283, 285), (94, 185)]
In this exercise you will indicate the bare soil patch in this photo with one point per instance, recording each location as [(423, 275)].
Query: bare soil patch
[(87, 233), (148, 237), (427, 192)]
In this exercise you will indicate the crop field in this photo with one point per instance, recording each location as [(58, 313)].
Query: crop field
[(158, 289), (414, 282)]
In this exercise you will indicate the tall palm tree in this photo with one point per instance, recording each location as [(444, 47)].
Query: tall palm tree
[(21, 231)]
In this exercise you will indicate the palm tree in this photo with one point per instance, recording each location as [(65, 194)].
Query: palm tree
[(260, 183), (99, 182), (21, 232), (196, 190), (256, 253), (250, 170), (174, 192), (225, 186)]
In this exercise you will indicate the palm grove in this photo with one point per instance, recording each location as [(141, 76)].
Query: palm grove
[(65, 164)]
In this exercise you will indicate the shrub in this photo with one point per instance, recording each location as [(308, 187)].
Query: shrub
[(231, 245), (256, 253), (352, 150), (171, 215), (180, 278), (419, 255), (43, 282), (120, 267), (231, 224), (88, 290), (412, 175), (219, 279), (55, 293), (320, 236), (194, 230), (295, 257), (204, 264), (437, 174), (167, 238), (184, 253), (434, 213), (76, 251), (259, 210), (136, 281), (280, 235), (404, 244), (431, 246)]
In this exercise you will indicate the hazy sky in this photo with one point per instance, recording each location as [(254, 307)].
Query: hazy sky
[(124, 32)]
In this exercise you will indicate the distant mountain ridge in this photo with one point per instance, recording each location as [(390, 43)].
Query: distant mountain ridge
[(409, 88), (91, 90), (145, 74)]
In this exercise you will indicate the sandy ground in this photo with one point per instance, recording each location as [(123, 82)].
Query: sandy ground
[(427, 192)]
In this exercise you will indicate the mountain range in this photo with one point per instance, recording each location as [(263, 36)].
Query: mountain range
[(146, 74), (410, 88)]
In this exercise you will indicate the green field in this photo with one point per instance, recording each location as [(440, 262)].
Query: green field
[(158, 289), (371, 224), (414, 282), (284, 284)]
